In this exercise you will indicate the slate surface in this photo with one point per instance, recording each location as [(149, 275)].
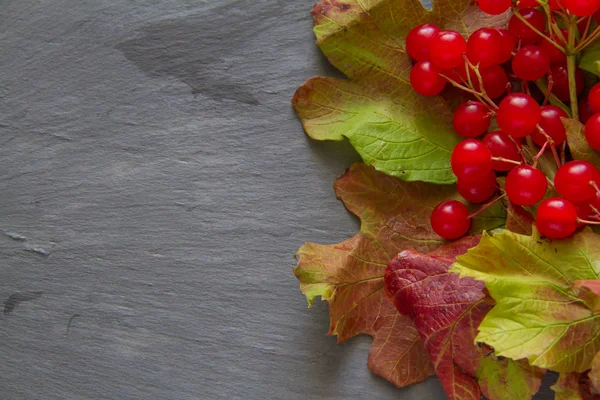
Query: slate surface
[(154, 185)]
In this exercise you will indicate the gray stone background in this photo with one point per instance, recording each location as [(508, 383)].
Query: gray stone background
[(154, 186)]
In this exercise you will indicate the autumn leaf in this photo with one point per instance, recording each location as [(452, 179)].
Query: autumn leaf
[(567, 387), (394, 129), (518, 219), (589, 292), (394, 217), (580, 149), (507, 379), (573, 386), (537, 315), (446, 311)]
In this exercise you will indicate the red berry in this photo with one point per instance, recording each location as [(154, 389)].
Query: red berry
[(518, 115), (485, 47), (556, 218), (478, 191), (572, 181), (426, 80), (597, 17), (521, 31), (585, 210), (556, 5), (594, 98), (500, 145), (592, 132), (494, 7), (560, 82), (585, 110), (494, 81), (556, 56), (552, 124), (447, 49), (527, 4), (526, 185), (450, 219), (418, 40), (508, 45), (471, 119), (582, 8), (531, 63), (471, 160)]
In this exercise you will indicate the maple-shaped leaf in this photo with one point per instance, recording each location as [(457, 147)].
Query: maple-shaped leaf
[(393, 128), (394, 217), (446, 310), (537, 315)]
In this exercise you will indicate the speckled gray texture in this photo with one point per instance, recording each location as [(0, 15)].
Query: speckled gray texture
[(154, 185)]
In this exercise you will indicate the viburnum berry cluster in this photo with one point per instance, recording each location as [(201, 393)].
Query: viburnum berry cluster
[(517, 81)]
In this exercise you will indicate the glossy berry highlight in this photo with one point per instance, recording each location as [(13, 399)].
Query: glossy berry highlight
[(447, 49), (425, 79), (471, 119), (518, 115), (573, 181), (478, 191), (531, 63), (556, 218), (419, 40), (525, 185), (471, 160), (501, 146), (450, 219), (552, 125)]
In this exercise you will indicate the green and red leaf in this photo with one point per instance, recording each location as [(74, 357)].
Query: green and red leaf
[(446, 311), (537, 315), (394, 217)]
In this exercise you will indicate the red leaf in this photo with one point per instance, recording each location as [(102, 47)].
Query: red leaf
[(446, 311)]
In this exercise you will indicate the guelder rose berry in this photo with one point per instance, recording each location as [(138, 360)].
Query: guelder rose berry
[(518, 115), (450, 219)]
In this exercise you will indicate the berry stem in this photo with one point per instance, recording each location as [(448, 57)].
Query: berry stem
[(533, 28), (475, 93), (596, 212), (587, 40), (571, 67), (475, 69), (545, 88), (506, 160), (587, 222), (519, 148), (550, 142), (488, 205), (539, 154), (552, 25)]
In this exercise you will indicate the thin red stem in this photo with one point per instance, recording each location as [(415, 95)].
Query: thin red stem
[(487, 205)]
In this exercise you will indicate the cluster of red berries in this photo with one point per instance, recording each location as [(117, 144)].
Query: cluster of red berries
[(498, 64)]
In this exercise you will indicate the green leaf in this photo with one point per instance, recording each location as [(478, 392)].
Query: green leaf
[(507, 379), (590, 60), (393, 129), (580, 149), (538, 315)]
